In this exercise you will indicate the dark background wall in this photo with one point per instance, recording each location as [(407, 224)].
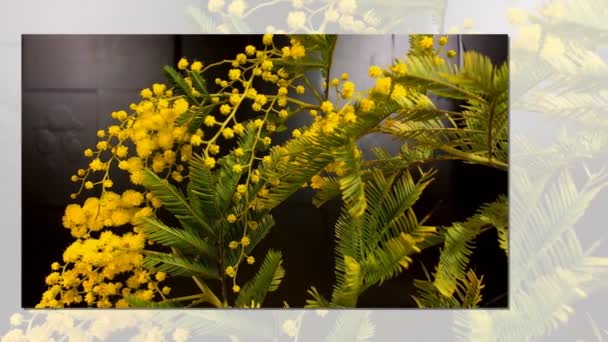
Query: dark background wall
[(71, 84)]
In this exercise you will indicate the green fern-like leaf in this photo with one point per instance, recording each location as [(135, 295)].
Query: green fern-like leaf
[(347, 290), (185, 241), (199, 83), (503, 239), (390, 259), (467, 294), (458, 246), (391, 200), (180, 266), (176, 203), (267, 279), (377, 246), (320, 49), (202, 190), (454, 257), (351, 183), (185, 117), (316, 152), (178, 81), (425, 75), (329, 191), (477, 134), (469, 290), (197, 116), (317, 301), (409, 157)]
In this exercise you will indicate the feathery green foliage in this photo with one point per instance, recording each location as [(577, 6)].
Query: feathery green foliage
[(458, 246), (180, 266), (202, 190), (178, 81), (466, 294), (185, 241), (351, 184), (174, 201), (223, 199), (374, 243), (267, 279), (477, 134), (377, 245)]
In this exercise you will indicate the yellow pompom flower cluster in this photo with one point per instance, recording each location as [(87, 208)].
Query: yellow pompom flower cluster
[(111, 210), (398, 92), (348, 89), (426, 42), (98, 255), (92, 264), (383, 85), (425, 46), (152, 131), (91, 268), (399, 69), (102, 266), (296, 51)]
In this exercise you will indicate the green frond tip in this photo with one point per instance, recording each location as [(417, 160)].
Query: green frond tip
[(466, 295), (198, 82), (200, 112), (469, 290), (196, 119), (454, 257), (202, 189), (347, 292), (458, 246), (173, 200), (178, 81), (480, 73), (185, 117), (329, 191), (377, 246), (497, 214), (180, 266), (184, 241), (317, 301), (351, 183), (393, 257), (503, 239), (267, 280)]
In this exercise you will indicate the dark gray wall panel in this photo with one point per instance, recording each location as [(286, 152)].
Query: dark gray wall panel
[(59, 62), (132, 62), (57, 127)]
